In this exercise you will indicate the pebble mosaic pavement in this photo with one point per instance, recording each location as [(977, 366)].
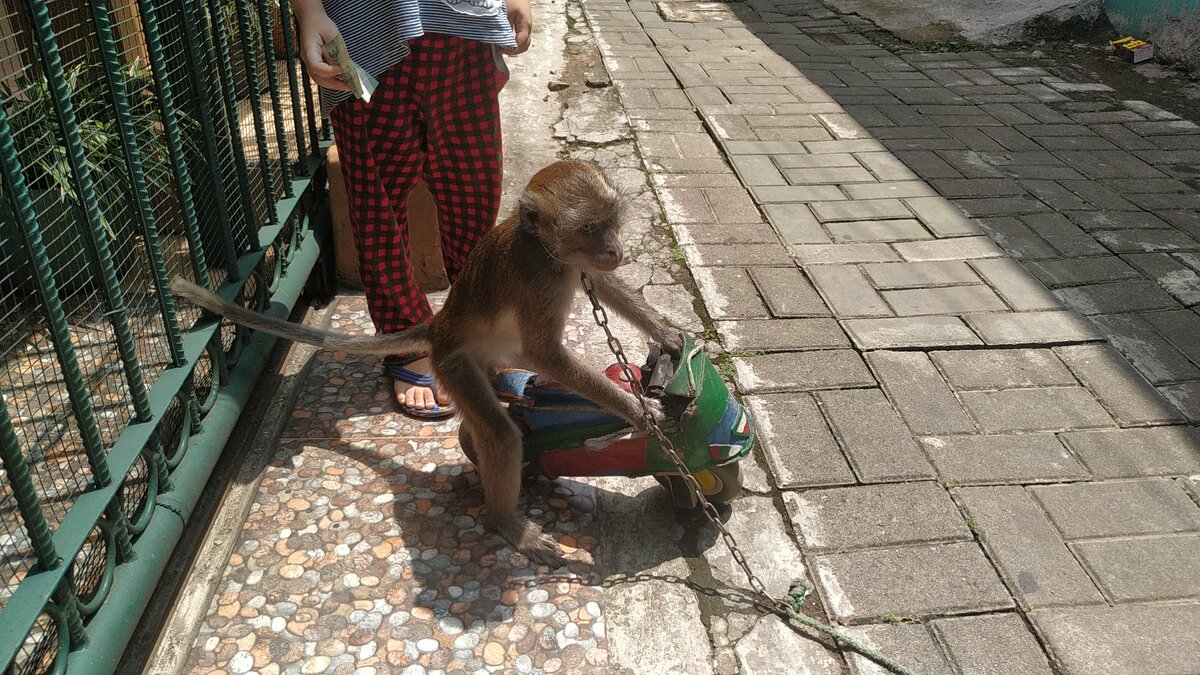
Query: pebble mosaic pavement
[(416, 585)]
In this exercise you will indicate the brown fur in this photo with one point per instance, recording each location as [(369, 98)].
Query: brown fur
[(510, 307)]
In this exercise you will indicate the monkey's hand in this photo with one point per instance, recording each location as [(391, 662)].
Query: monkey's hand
[(638, 419), (671, 342)]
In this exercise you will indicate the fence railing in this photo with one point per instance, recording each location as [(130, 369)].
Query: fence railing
[(139, 139)]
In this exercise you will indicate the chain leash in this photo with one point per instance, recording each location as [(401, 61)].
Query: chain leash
[(764, 599)]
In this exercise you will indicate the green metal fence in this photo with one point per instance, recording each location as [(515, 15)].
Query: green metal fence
[(139, 139)]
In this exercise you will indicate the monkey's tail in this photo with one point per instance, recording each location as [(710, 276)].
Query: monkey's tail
[(412, 339)]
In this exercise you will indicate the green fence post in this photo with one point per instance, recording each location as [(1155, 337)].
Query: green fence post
[(166, 101), (25, 492), (250, 54), (227, 88), (137, 178), (207, 127), (81, 175), (267, 27), (285, 20)]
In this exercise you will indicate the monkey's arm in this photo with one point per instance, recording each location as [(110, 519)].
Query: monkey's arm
[(614, 295), (565, 368)]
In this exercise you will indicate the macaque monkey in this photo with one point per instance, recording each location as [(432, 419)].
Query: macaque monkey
[(509, 308)]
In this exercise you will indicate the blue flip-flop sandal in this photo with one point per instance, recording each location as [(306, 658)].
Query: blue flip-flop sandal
[(397, 371)]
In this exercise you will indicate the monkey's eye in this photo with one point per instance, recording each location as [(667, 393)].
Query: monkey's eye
[(590, 228)]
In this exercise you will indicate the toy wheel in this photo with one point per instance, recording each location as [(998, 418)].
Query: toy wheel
[(720, 485)]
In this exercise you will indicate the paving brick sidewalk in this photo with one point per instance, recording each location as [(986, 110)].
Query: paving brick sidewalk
[(977, 480)]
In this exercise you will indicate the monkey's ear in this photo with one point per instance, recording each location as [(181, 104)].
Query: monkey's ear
[(528, 213)]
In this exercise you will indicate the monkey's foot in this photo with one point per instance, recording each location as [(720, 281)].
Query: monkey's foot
[(528, 538)]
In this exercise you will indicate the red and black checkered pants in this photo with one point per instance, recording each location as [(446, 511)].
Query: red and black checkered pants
[(435, 116)]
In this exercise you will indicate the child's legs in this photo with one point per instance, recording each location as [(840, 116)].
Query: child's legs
[(464, 166), (381, 147)]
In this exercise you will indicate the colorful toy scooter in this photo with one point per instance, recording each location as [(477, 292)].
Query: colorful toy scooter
[(566, 434)]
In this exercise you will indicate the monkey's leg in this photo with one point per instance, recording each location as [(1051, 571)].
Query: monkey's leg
[(496, 442), (554, 360)]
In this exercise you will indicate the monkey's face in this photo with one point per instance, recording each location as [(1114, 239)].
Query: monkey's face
[(594, 246), (577, 213)]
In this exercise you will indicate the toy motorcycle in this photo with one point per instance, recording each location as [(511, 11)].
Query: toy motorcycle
[(566, 434)]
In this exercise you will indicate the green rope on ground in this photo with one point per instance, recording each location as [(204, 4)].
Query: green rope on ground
[(798, 593)]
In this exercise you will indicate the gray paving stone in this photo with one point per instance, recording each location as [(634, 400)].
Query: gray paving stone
[(877, 231), (728, 293), (885, 166), (724, 233), (802, 371), (781, 334), (865, 586), (764, 147), (759, 529), (728, 255), (1146, 241), (1066, 237), (796, 224), (1032, 328), (828, 175), (983, 369), (799, 449), (806, 161), (948, 300), (1117, 297), (872, 209), (1186, 397), (848, 292), (909, 332), (1156, 568), (887, 276), (910, 645), (1143, 639), (1117, 220), (875, 516), (1080, 271), (941, 217), (1128, 453), (788, 293), (1126, 395), (891, 190), (992, 644), (772, 642), (958, 248), (1156, 358), (1009, 458), (923, 399), (1014, 283), (757, 170), (881, 451), (843, 254), (1118, 508), (1056, 409), (628, 648), (1034, 562), (783, 194), (1180, 329), (858, 145), (1178, 279)]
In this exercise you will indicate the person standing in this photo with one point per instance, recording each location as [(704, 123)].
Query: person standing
[(434, 116)]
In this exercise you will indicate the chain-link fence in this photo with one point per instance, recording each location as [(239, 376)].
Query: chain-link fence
[(139, 139)]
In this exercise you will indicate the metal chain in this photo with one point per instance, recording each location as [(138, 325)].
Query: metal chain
[(652, 424)]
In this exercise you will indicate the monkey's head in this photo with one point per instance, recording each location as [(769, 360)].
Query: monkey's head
[(576, 213)]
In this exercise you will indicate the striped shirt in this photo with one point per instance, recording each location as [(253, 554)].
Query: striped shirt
[(377, 31)]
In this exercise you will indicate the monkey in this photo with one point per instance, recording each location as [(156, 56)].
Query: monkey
[(509, 307)]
